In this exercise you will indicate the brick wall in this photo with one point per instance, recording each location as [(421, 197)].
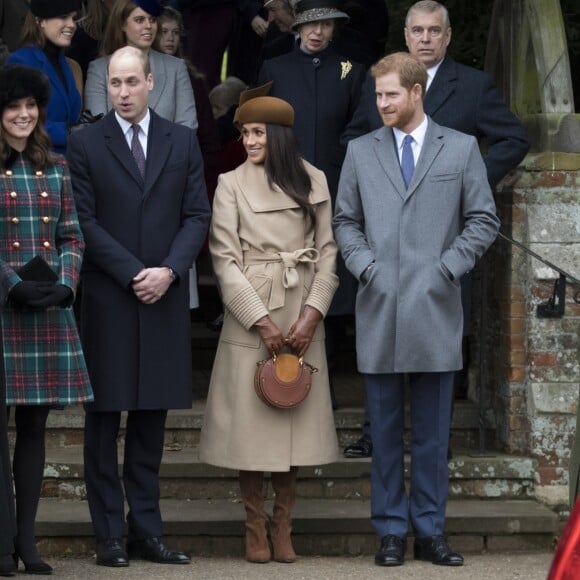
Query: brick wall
[(535, 363)]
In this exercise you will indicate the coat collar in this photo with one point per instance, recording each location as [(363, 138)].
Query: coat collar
[(386, 152), (157, 62), (443, 86), (253, 185), (56, 83)]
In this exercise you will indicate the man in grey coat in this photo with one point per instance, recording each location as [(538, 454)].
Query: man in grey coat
[(414, 213)]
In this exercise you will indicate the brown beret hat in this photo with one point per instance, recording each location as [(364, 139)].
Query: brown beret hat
[(257, 107), (265, 110)]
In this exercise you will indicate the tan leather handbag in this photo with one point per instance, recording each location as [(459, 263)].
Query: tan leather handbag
[(283, 381)]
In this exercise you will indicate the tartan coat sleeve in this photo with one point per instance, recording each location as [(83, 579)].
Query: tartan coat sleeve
[(69, 240)]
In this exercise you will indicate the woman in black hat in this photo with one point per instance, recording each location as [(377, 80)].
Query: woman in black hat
[(48, 30), (41, 248)]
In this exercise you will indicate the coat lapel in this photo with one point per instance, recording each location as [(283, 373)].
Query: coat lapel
[(431, 147), (115, 141), (442, 87), (386, 152), (159, 75), (158, 149)]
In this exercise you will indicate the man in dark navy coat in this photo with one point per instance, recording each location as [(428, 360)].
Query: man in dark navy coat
[(142, 204), (459, 97)]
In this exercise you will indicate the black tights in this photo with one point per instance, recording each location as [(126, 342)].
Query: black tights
[(28, 469)]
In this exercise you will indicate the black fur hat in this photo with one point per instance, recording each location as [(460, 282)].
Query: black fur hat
[(18, 82)]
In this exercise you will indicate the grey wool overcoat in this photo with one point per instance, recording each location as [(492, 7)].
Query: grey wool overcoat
[(268, 259), (421, 240)]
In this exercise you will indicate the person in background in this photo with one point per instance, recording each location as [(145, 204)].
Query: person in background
[(393, 181), (270, 225), (40, 261), (134, 23), (168, 41), (246, 40), (12, 16), (48, 30), (209, 25), (86, 43), (459, 97), (140, 193)]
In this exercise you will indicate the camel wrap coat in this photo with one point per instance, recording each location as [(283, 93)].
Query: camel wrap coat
[(268, 260)]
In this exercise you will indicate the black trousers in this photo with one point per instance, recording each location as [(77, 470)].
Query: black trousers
[(140, 473)]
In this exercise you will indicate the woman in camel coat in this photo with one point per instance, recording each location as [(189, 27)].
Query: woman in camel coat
[(274, 258)]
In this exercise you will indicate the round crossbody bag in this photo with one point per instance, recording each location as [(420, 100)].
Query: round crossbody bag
[(283, 381)]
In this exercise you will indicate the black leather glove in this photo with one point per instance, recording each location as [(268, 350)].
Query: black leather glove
[(55, 295), (28, 290)]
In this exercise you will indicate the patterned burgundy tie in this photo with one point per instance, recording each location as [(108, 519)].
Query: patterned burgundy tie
[(137, 151)]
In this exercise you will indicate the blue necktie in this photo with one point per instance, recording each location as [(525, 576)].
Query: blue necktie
[(407, 160), (137, 151)]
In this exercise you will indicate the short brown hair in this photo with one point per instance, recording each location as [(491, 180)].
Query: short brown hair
[(410, 69)]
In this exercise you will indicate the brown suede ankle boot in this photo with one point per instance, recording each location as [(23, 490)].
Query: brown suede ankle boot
[(251, 488), (284, 484)]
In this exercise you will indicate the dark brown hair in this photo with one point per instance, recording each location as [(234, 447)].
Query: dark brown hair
[(285, 168)]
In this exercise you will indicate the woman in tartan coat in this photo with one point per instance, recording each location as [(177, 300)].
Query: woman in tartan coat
[(43, 360)]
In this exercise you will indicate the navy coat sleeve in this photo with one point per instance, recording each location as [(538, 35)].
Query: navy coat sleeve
[(104, 250)]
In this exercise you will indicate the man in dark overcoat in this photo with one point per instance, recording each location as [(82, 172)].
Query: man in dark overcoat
[(460, 97), (414, 212), (142, 204)]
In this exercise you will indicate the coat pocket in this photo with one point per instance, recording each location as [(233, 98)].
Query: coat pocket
[(445, 176)]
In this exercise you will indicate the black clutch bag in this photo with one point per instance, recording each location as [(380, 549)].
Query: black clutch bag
[(37, 270)]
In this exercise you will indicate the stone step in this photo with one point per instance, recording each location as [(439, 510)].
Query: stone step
[(65, 428), (183, 476), (320, 527)]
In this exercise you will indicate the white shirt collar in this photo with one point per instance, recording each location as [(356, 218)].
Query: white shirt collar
[(126, 125), (418, 135)]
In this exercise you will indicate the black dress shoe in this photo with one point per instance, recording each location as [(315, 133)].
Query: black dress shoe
[(111, 553), (435, 549), (391, 552), (361, 448), (154, 550)]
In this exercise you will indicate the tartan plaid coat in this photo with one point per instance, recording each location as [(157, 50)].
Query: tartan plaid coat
[(43, 358)]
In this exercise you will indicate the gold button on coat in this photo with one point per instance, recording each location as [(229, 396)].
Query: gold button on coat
[(16, 245), (46, 244), (15, 220), (44, 194), (45, 219), (13, 194)]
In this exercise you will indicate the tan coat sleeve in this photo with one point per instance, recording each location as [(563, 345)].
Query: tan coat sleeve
[(238, 295), (325, 280)]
